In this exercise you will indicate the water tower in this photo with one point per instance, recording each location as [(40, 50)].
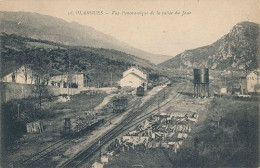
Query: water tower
[(201, 82)]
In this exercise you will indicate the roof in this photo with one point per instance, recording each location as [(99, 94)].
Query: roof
[(136, 68), (136, 76), (8, 68), (13, 67), (257, 72)]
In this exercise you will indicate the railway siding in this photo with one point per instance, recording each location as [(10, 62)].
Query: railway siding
[(121, 127)]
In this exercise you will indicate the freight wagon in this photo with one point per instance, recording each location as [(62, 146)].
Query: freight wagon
[(80, 125), (140, 91), (119, 105)]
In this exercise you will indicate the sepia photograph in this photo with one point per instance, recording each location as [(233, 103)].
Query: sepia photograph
[(129, 83)]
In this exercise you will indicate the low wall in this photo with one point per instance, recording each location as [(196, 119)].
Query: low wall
[(11, 91)]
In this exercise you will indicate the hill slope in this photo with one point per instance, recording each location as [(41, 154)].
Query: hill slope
[(49, 28), (55, 58), (235, 50)]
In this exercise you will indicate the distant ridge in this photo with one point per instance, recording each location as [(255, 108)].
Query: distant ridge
[(49, 28), (239, 49)]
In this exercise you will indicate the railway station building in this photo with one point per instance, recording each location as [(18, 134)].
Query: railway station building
[(133, 78)]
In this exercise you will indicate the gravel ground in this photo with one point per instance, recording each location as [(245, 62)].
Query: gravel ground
[(160, 157)]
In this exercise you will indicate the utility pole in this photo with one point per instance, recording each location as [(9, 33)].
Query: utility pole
[(100, 152), (232, 79), (18, 115), (68, 82), (111, 76), (164, 93), (158, 103), (70, 78)]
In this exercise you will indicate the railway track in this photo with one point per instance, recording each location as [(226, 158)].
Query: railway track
[(81, 157), (32, 160), (148, 114), (36, 158)]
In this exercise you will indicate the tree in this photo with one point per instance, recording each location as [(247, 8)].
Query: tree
[(41, 89)]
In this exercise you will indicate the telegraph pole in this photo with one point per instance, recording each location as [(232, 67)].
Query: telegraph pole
[(158, 103), (111, 76), (18, 115)]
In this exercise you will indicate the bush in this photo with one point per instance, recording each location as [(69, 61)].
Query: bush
[(13, 126), (228, 137)]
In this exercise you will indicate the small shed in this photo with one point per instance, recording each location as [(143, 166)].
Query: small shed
[(34, 127)]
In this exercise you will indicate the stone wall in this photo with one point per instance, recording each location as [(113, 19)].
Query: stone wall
[(11, 91)]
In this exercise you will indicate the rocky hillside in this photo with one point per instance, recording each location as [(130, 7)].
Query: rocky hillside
[(54, 58), (49, 28), (236, 50)]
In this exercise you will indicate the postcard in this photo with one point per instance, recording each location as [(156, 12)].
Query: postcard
[(129, 84)]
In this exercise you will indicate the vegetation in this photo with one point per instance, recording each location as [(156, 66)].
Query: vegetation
[(81, 102), (228, 137), (52, 58), (15, 115)]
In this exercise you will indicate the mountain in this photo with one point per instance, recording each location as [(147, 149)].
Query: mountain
[(49, 28), (236, 50), (53, 58)]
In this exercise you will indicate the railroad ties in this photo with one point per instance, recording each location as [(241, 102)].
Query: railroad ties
[(125, 124), (85, 154)]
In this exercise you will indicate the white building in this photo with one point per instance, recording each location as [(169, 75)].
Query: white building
[(23, 75), (133, 78), (135, 71), (253, 84), (75, 80)]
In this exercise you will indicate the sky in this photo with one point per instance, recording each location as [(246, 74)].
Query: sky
[(204, 21)]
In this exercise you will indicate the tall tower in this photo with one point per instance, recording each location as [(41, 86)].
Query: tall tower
[(201, 82)]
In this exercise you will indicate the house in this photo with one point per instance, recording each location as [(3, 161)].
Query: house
[(135, 71), (133, 78), (25, 74), (76, 80), (253, 81)]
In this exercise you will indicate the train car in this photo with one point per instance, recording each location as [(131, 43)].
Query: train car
[(79, 126), (150, 86), (140, 91), (119, 105)]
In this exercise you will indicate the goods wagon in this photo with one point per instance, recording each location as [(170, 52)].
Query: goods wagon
[(80, 125), (140, 91), (119, 105)]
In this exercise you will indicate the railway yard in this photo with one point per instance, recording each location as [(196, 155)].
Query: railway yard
[(86, 89), (115, 129), (153, 119)]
